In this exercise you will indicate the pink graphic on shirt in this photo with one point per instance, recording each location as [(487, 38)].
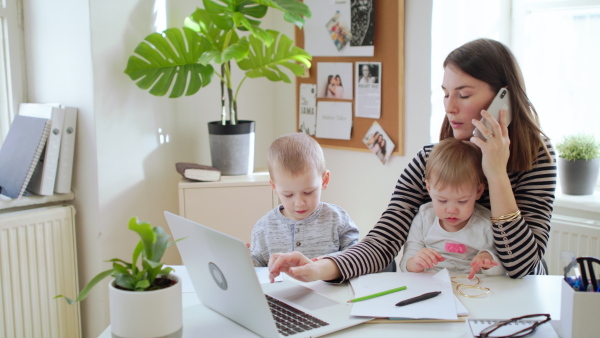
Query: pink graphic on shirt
[(455, 247)]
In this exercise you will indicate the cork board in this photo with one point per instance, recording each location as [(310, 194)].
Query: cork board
[(389, 50)]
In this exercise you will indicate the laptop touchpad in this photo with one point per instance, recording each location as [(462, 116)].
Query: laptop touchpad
[(309, 300)]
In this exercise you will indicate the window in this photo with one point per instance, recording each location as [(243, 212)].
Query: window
[(558, 47), (555, 42), (11, 66)]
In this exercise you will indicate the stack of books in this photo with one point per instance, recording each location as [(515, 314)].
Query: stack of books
[(37, 154)]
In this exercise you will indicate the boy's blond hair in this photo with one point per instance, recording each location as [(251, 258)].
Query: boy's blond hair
[(295, 153), (454, 163)]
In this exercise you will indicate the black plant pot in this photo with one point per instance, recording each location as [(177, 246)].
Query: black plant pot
[(232, 147), (578, 177)]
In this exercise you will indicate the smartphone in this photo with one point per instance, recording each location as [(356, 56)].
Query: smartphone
[(501, 101)]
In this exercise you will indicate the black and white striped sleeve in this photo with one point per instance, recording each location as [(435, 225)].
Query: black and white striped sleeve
[(381, 245)]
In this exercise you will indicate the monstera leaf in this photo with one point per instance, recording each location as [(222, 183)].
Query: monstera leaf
[(266, 61), (223, 33), (169, 62)]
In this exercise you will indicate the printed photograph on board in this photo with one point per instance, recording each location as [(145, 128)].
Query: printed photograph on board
[(378, 141)]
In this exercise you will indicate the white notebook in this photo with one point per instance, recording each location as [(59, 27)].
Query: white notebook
[(477, 325)]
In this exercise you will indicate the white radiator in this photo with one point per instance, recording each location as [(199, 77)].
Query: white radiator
[(578, 235), (37, 262)]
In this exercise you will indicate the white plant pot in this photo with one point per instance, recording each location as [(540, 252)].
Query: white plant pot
[(146, 314)]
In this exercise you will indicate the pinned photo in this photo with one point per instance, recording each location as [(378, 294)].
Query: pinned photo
[(378, 141), (338, 31)]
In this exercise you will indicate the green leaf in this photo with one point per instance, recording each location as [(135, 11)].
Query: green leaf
[(125, 281), (579, 147), (142, 285), (160, 245), (270, 61), (146, 233), (118, 268), (139, 248), (294, 11), (116, 260), (253, 27), (166, 271), (168, 63), (84, 292)]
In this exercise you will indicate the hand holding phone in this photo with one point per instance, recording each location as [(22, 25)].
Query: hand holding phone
[(501, 101)]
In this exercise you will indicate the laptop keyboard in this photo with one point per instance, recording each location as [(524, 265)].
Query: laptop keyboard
[(290, 320)]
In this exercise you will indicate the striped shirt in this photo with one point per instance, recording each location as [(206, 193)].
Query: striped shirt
[(521, 243)]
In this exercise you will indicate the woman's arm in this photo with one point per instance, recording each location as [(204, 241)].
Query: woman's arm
[(381, 245), (521, 243)]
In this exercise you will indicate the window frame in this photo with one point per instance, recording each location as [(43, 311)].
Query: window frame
[(12, 49)]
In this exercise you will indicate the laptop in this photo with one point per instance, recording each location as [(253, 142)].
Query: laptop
[(221, 270)]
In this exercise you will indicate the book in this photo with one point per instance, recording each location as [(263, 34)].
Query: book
[(21, 152), (64, 172), (198, 172), (44, 177), (477, 325)]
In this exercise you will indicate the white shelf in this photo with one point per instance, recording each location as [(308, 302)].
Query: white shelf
[(33, 200)]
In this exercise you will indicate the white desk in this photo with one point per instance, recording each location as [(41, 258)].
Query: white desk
[(508, 298)]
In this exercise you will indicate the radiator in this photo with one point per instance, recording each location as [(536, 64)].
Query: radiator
[(578, 235), (37, 262)]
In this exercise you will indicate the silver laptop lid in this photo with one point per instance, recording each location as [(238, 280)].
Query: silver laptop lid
[(223, 275)]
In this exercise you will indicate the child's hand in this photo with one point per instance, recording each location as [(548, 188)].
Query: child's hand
[(483, 260), (425, 258), (314, 259)]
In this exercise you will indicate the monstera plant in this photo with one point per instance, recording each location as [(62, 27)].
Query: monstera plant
[(181, 61)]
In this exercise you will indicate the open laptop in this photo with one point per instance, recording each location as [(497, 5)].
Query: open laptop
[(223, 275)]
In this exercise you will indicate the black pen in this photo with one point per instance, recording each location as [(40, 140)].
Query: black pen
[(418, 298)]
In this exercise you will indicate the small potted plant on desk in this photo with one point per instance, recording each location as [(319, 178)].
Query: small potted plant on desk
[(578, 164), (144, 301), (181, 61)]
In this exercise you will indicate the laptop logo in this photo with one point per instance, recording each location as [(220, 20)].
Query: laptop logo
[(217, 275)]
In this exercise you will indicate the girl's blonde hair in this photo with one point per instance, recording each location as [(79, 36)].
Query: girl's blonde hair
[(454, 163), (295, 153)]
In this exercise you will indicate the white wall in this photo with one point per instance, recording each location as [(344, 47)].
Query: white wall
[(76, 54)]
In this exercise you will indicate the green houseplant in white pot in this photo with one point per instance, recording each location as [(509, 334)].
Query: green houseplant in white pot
[(578, 164), (145, 299), (181, 61)]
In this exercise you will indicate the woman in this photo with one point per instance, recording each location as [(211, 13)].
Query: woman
[(330, 89), (518, 162), (366, 76)]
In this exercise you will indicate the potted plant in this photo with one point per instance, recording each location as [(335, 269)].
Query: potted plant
[(223, 33), (145, 300), (578, 164)]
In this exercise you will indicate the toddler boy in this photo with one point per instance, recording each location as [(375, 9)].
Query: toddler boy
[(301, 222)]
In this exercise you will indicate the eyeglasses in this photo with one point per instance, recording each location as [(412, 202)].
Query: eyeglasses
[(470, 290), (505, 328)]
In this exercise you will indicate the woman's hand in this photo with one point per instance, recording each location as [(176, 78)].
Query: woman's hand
[(425, 258), (495, 149), (299, 267), (483, 260)]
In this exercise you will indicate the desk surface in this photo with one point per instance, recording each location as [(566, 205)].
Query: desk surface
[(508, 298)]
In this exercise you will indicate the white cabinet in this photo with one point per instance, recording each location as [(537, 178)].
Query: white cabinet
[(232, 205)]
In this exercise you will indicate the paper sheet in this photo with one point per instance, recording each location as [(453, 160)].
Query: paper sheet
[(443, 306)]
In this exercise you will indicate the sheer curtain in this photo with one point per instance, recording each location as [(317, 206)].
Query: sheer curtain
[(555, 42), (559, 47)]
